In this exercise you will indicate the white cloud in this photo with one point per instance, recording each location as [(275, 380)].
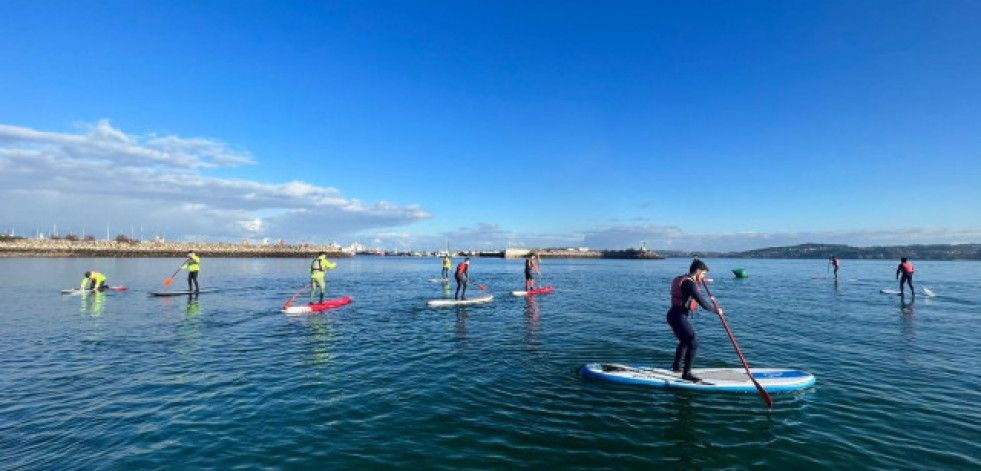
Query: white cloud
[(103, 176)]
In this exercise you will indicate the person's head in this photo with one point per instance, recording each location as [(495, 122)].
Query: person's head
[(903, 260), (467, 260), (88, 274), (698, 268), (190, 254), (322, 254)]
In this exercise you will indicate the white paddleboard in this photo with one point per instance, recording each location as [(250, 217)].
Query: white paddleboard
[(459, 302), (889, 291), (439, 280), (713, 379)]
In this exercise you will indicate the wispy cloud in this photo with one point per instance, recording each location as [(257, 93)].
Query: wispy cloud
[(104, 176)]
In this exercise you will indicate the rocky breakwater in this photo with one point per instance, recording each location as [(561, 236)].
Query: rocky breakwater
[(101, 248)]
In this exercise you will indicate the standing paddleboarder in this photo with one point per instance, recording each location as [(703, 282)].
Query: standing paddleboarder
[(835, 263), (193, 266), (445, 274), (318, 270), (530, 267), (462, 278), (906, 270), (685, 299)]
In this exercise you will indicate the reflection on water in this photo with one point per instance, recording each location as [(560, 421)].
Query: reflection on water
[(93, 302), (532, 314)]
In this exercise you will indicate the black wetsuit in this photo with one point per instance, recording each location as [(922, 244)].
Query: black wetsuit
[(462, 279), (907, 277), (678, 320)]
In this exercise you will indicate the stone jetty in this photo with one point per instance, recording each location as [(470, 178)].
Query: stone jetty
[(17, 247)]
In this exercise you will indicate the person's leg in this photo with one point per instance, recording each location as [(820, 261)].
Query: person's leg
[(687, 346)]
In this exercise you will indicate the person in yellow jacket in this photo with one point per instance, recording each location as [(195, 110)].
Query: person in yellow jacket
[(193, 266), (318, 270), (95, 280), (446, 268)]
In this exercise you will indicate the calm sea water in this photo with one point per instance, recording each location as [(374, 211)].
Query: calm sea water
[(224, 381)]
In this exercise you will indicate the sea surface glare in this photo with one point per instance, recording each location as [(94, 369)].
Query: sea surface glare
[(123, 381)]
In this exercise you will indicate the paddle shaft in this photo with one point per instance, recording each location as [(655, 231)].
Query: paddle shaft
[(304, 288), (759, 387), (170, 280)]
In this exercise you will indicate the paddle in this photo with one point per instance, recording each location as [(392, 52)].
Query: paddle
[(170, 280), (759, 387), (287, 305)]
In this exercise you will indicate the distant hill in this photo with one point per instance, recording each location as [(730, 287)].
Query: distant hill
[(913, 252)]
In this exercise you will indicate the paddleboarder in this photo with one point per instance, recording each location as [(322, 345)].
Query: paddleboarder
[(318, 270), (193, 266), (95, 280), (906, 270), (446, 268), (833, 261), (685, 299), (530, 267), (462, 278)]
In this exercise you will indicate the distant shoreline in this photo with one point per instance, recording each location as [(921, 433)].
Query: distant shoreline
[(136, 249)]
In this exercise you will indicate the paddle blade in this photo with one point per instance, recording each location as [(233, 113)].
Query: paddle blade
[(482, 287), (168, 281)]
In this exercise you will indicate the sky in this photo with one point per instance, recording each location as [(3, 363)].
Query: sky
[(701, 126)]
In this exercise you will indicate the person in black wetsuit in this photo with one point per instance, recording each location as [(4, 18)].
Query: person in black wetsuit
[(685, 298), (833, 261), (906, 269), (462, 278)]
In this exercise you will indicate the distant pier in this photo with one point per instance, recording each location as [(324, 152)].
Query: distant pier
[(105, 248)]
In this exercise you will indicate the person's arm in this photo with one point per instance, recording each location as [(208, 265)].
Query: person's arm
[(688, 289)]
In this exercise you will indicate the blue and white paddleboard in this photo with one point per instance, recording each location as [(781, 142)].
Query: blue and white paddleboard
[(713, 379), (459, 302)]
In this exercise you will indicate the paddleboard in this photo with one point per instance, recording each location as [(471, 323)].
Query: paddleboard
[(80, 291), (308, 308), (439, 280), (890, 291), (713, 379), (459, 302), (546, 290), (181, 293)]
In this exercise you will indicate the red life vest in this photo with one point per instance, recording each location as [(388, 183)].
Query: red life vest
[(676, 300), (907, 268), (461, 268)]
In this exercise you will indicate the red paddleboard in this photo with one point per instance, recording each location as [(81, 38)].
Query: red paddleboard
[(306, 309), (545, 290)]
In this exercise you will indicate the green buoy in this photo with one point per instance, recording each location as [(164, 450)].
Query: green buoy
[(740, 273)]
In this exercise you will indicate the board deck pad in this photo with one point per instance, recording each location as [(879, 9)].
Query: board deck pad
[(713, 379), (459, 302)]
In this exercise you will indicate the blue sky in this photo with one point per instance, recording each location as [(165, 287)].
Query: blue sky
[(685, 125)]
